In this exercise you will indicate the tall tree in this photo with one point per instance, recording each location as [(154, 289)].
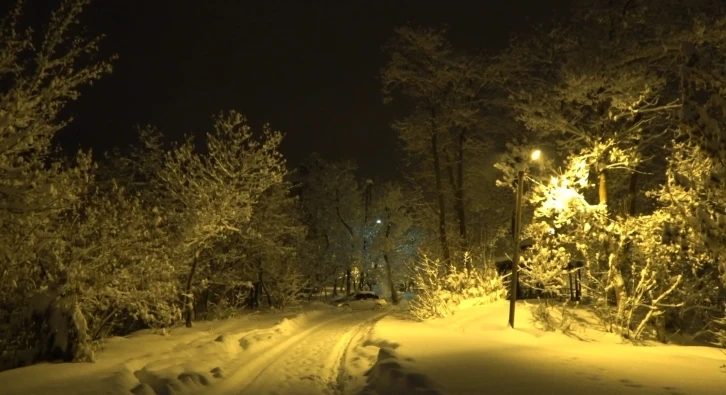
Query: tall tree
[(424, 69)]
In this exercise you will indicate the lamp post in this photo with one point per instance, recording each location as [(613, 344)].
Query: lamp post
[(521, 167)]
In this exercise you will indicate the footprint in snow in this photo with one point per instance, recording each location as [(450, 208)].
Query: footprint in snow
[(311, 377), (630, 383), (217, 373)]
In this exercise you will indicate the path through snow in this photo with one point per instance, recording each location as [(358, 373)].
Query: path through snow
[(311, 362), (306, 354)]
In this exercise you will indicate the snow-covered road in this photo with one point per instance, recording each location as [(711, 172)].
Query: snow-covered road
[(318, 350), (311, 361)]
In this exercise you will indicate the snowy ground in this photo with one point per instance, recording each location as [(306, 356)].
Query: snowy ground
[(308, 352), (324, 350), (475, 352)]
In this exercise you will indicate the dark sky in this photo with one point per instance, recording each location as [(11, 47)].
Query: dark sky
[(309, 67)]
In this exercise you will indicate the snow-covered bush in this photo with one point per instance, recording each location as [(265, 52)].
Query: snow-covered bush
[(286, 284), (440, 290), (222, 297), (542, 268), (548, 319)]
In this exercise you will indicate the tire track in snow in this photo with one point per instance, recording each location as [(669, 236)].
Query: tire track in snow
[(312, 362), (251, 366), (338, 381)]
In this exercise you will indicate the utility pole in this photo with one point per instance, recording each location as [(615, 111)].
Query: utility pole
[(521, 166), (515, 258)]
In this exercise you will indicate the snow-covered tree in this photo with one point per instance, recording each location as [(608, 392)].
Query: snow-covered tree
[(420, 68), (207, 197), (39, 74)]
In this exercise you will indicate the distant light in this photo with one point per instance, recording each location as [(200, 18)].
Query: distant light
[(536, 154), (378, 221)]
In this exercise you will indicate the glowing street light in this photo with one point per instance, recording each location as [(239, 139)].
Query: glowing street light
[(521, 167), (536, 154), (378, 221)]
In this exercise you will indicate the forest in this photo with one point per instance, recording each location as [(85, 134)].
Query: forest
[(625, 99)]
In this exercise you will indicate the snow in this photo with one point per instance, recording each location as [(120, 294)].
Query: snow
[(327, 350), (475, 352)]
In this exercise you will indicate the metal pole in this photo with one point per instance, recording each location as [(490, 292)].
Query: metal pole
[(515, 259)]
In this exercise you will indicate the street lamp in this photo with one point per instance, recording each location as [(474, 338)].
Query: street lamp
[(521, 167)]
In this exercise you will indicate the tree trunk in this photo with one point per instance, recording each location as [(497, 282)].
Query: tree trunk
[(258, 288), (602, 187), (267, 293), (366, 220), (347, 281), (621, 294), (460, 208), (188, 308), (205, 303), (617, 281), (350, 233), (632, 193), (439, 190), (457, 185), (660, 329), (391, 285)]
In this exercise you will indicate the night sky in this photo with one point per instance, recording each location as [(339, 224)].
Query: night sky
[(310, 68)]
